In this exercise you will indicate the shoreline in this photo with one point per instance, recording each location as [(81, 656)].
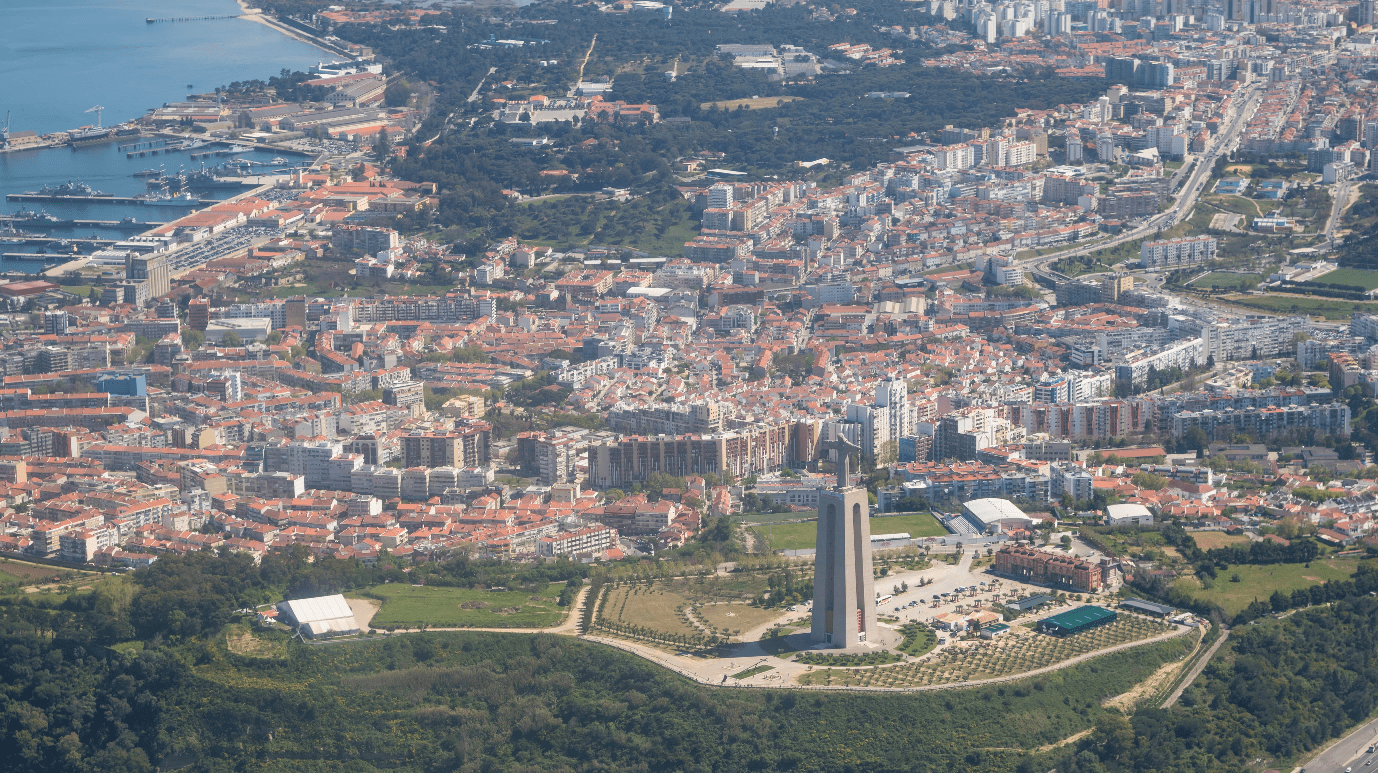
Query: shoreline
[(260, 18)]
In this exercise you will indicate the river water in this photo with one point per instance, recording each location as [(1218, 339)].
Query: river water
[(60, 57)]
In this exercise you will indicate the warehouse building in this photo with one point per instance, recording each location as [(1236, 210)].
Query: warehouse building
[(1077, 620), (993, 516), (319, 617)]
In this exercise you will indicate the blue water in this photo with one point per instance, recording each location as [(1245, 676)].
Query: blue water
[(60, 57)]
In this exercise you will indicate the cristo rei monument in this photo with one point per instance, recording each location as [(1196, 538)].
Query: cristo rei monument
[(844, 597)]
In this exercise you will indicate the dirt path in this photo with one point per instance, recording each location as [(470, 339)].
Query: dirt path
[(364, 610), (583, 64), (1068, 740), (1197, 669)]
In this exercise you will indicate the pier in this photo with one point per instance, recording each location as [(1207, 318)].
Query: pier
[(121, 224), (34, 256), (221, 152), (139, 145), (151, 20), (95, 199), (42, 240)]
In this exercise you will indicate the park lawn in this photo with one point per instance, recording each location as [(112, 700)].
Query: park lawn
[(1259, 582), (802, 536), (1209, 540), (1303, 304), (1237, 204), (917, 524), (1228, 279), (439, 607), (741, 617), (1351, 276), (653, 608)]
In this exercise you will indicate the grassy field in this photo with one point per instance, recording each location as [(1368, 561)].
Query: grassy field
[(30, 574), (1238, 204), (437, 607), (1301, 304), (656, 609), (1351, 276), (741, 617), (751, 103), (1259, 582), (802, 536), (1230, 279), (1208, 540)]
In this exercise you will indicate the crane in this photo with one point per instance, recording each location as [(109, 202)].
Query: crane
[(97, 110)]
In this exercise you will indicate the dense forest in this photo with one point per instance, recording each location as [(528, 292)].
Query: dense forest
[(1282, 688), (136, 673)]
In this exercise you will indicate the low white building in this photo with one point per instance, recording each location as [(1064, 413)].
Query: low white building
[(1128, 515), (319, 617), (992, 516)]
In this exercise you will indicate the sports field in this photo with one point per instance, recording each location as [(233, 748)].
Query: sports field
[(412, 605), (802, 536), (1351, 276)]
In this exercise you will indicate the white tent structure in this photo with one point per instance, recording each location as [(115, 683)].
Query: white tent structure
[(320, 617)]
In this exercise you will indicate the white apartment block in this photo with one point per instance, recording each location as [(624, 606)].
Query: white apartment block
[(1021, 154), (1185, 354), (1253, 337), (954, 157), (1067, 478), (894, 396), (720, 196), (1174, 253), (591, 539)]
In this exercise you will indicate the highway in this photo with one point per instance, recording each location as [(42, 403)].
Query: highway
[(1340, 193), (1186, 199), (1348, 752)]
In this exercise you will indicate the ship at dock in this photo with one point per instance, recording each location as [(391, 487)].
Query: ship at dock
[(11, 235), (163, 199), (90, 136), (27, 216), (70, 189)]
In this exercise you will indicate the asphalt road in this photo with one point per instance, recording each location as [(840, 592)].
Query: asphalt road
[(1186, 197), (1350, 751)]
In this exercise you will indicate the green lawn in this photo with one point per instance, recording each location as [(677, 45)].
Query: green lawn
[(1216, 279), (438, 607), (802, 536), (1301, 304), (1351, 276), (1259, 582)]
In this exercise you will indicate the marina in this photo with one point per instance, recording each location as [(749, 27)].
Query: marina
[(108, 61)]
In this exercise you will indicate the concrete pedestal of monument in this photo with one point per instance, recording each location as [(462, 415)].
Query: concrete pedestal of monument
[(844, 598)]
